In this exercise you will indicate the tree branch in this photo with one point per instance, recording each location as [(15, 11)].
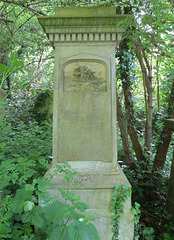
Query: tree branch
[(148, 92), (24, 23), (25, 6), (6, 20), (166, 135)]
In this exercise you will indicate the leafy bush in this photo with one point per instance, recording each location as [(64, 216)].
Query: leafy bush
[(23, 162), (147, 185), (26, 151)]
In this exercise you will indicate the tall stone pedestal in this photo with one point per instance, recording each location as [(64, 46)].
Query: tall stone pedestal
[(84, 118)]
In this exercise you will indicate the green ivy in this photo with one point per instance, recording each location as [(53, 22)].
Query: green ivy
[(121, 194), (137, 213)]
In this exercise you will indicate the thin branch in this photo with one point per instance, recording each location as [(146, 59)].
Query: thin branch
[(3, 8), (147, 62), (24, 23), (35, 3), (144, 55), (148, 213), (46, 58), (11, 9), (20, 13), (6, 20), (25, 6)]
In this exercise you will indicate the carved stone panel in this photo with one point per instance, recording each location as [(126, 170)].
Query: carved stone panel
[(85, 125), (82, 75)]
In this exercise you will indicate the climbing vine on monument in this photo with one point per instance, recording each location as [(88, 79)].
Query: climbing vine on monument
[(121, 194)]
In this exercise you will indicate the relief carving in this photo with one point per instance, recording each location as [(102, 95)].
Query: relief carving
[(85, 76)]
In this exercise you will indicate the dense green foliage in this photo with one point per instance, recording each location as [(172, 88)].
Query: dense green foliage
[(145, 87), (25, 157)]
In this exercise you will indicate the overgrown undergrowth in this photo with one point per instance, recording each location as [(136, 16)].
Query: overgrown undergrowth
[(24, 159)]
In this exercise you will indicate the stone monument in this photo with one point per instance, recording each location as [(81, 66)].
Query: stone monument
[(84, 115)]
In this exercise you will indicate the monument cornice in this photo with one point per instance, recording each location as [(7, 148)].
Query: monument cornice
[(84, 37), (92, 24)]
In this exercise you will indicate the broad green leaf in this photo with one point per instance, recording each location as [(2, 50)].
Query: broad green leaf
[(55, 232), (17, 205), (57, 211), (52, 208), (79, 230), (37, 220), (19, 200), (29, 187), (26, 217)]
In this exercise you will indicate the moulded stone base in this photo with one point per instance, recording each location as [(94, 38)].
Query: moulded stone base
[(96, 191)]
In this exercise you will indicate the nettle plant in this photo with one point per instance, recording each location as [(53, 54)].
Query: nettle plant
[(24, 158), (69, 219), (23, 218)]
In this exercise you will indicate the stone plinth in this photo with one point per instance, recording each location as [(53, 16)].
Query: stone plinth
[(84, 118)]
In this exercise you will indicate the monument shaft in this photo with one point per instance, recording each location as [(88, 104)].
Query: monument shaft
[(84, 119)]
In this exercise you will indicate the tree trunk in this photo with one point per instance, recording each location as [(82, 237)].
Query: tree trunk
[(124, 135), (148, 92), (163, 146), (170, 200), (128, 101)]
